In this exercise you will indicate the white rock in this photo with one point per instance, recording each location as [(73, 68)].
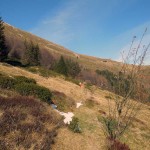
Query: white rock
[(68, 116), (78, 105)]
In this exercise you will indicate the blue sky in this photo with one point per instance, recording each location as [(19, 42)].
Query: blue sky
[(101, 28)]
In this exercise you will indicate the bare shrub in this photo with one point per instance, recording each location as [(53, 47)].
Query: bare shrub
[(94, 78), (122, 110), (15, 46), (116, 145), (47, 59)]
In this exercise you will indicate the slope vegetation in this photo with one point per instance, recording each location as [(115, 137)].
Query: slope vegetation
[(95, 105), (15, 40)]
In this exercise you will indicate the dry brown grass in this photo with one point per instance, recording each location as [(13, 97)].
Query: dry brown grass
[(7, 93), (26, 123), (67, 140), (54, 84), (92, 137)]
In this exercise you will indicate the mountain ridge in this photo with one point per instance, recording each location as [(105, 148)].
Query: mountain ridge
[(95, 101), (15, 34)]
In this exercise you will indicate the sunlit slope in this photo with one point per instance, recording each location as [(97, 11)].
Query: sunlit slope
[(17, 38), (92, 137)]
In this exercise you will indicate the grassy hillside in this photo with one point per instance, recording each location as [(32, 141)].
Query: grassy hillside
[(16, 37), (66, 92), (51, 52), (94, 106)]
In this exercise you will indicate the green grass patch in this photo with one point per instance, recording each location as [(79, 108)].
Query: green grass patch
[(23, 79), (43, 71), (7, 82), (35, 90), (25, 86), (75, 125)]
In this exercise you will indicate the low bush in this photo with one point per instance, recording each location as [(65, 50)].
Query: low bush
[(25, 89), (35, 90), (21, 79), (7, 82), (43, 93), (116, 145), (74, 125), (110, 124), (25, 86)]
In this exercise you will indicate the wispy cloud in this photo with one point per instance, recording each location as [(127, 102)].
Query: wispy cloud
[(58, 28), (126, 38), (83, 27), (74, 21)]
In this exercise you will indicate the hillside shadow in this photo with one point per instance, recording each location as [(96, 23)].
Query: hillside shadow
[(15, 63)]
